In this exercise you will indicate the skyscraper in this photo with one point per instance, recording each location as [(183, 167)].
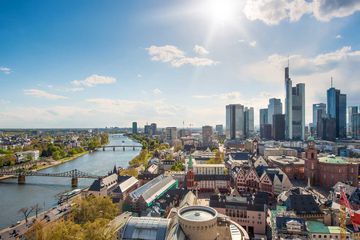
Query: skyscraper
[(274, 107), (351, 111), (249, 121), (153, 127), (294, 109), (170, 135), (263, 116), (355, 124), (134, 128), (219, 129), (318, 108), (288, 104), (336, 104), (207, 133), (234, 121), (278, 127)]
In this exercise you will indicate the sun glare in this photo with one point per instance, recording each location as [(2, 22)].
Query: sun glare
[(221, 11)]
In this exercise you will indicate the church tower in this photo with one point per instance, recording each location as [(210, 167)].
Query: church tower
[(190, 175), (311, 163)]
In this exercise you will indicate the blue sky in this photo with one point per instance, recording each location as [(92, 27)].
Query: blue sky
[(107, 63)]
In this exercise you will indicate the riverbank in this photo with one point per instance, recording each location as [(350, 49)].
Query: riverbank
[(50, 164), (61, 161)]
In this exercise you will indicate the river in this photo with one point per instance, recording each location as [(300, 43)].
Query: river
[(44, 190)]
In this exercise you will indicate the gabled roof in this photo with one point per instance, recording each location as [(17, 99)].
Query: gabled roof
[(302, 204)]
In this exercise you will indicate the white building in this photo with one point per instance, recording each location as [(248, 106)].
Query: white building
[(32, 155)]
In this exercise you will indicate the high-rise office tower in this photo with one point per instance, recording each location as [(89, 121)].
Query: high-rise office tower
[(336, 108), (219, 129), (147, 129), (170, 135), (326, 129), (153, 127), (278, 127), (288, 104), (294, 109), (263, 116), (234, 121), (355, 125), (351, 111), (207, 133), (249, 121), (318, 108), (274, 107), (134, 128)]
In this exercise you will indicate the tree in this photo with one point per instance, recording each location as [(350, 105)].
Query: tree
[(26, 212), (64, 230), (36, 232), (130, 172), (98, 230), (91, 208), (36, 208)]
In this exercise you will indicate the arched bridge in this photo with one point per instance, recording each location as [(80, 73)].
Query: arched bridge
[(73, 174), (124, 147)]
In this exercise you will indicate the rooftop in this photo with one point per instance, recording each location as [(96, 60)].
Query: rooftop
[(197, 213), (318, 227), (332, 159)]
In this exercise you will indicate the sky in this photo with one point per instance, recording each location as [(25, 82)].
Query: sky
[(89, 63)]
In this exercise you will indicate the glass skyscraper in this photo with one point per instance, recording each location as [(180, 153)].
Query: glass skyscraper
[(336, 104), (294, 109), (235, 122)]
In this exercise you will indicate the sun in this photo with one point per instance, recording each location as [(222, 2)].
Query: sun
[(221, 11)]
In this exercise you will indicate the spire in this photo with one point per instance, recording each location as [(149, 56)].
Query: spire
[(331, 82), (288, 61), (190, 163)]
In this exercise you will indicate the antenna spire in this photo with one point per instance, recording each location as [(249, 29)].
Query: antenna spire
[(331, 81), (288, 61)]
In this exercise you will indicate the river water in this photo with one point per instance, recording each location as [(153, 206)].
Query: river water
[(44, 190)]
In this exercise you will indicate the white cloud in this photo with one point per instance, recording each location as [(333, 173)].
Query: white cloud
[(230, 96), (200, 50), (338, 36), (75, 89), (176, 57), (43, 94), (139, 75), (94, 80), (5, 70), (157, 91), (252, 43), (273, 12)]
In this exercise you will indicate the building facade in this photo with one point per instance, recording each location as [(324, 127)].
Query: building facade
[(235, 122), (336, 108), (294, 109), (278, 127), (351, 111), (170, 135), (319, 112), (207, 135), (274, 107), (249, 121), (134, 128), (327, 171)]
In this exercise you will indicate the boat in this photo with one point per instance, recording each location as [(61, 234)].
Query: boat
[(66, 196)]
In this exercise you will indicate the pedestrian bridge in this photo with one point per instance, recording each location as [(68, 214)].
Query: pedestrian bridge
[(73, 174)]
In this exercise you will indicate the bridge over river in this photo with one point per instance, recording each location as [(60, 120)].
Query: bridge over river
[(73, 174)]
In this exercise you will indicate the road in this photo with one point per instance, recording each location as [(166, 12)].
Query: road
[(17, 231)]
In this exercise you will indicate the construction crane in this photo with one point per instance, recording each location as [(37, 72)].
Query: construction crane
[(354, 215)]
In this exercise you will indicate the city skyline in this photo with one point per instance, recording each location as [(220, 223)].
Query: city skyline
[(118, 62)]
